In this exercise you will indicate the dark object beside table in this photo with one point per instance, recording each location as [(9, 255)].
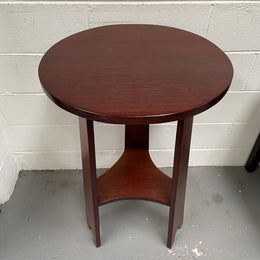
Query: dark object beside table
[(135, 75), (254, 157)]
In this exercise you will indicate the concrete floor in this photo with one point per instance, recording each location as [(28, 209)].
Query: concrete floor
[(45, 219)]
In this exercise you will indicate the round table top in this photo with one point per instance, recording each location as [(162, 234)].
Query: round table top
[(135, 74)]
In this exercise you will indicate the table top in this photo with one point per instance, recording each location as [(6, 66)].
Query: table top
[(135, 74)]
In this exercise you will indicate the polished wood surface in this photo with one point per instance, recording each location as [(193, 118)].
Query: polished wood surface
[(179, 177), (137, 136), (135, 74), (89, 176), (134, 176)]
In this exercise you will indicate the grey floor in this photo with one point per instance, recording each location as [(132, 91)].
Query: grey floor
[(45, 219)]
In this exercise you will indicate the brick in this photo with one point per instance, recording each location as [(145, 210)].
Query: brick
[(35, 28), (218, 157), (204, 157), (235, 26), (19, 74), (61, 137), (43, 138), (109, 137), (55, 160), (221, 136), (162, 136), (33, 110), (172, 14), (242, 64), (225, 136), (235, 107), (253, 82), (48, 160)]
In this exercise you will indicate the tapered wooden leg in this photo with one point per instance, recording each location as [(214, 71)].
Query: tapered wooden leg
[(137, 136), (180, 168), (89, 176)]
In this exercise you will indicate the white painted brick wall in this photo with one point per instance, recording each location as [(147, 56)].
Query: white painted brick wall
[(8, 170), (235, 26), (18, 73), (253, 82), (4, 149), (34, 27), (175, 15), (42, 136)]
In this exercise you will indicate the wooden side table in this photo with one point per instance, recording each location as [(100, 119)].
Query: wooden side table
[(135, 75)]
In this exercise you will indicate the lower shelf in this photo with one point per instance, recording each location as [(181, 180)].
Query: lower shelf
[(134, 176)]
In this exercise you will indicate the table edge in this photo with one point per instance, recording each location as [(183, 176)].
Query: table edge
[(136, 120)]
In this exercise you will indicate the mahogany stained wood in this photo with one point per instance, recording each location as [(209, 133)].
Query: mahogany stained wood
[(89, 176), (135, 74), (179, 177), (137, 136), (134, 176)]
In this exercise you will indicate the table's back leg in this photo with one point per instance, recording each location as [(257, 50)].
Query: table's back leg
[(137, 136), (89, 176), (180, 168)]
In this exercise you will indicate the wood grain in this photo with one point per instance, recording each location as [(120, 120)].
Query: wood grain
[(179, 177), (135, 74), (137, 136), (89, 176), (134, 176)]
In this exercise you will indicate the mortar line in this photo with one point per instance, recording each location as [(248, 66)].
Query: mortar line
[(43, 94), (23, 94), (243, 91), (4, 159), (173, 123), (243, 51), (42, 53), (39, 125), (251, 68), (21, 53), (209, 18), (120, 150), (131, 2)]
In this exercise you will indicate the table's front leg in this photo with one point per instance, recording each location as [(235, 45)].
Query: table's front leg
[(180, 168), (89, 176)]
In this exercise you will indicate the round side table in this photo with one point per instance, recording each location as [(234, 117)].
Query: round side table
[(135, 75)]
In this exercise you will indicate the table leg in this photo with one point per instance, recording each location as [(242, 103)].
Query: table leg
[(89, 176), (137, 136), (181, 160)]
